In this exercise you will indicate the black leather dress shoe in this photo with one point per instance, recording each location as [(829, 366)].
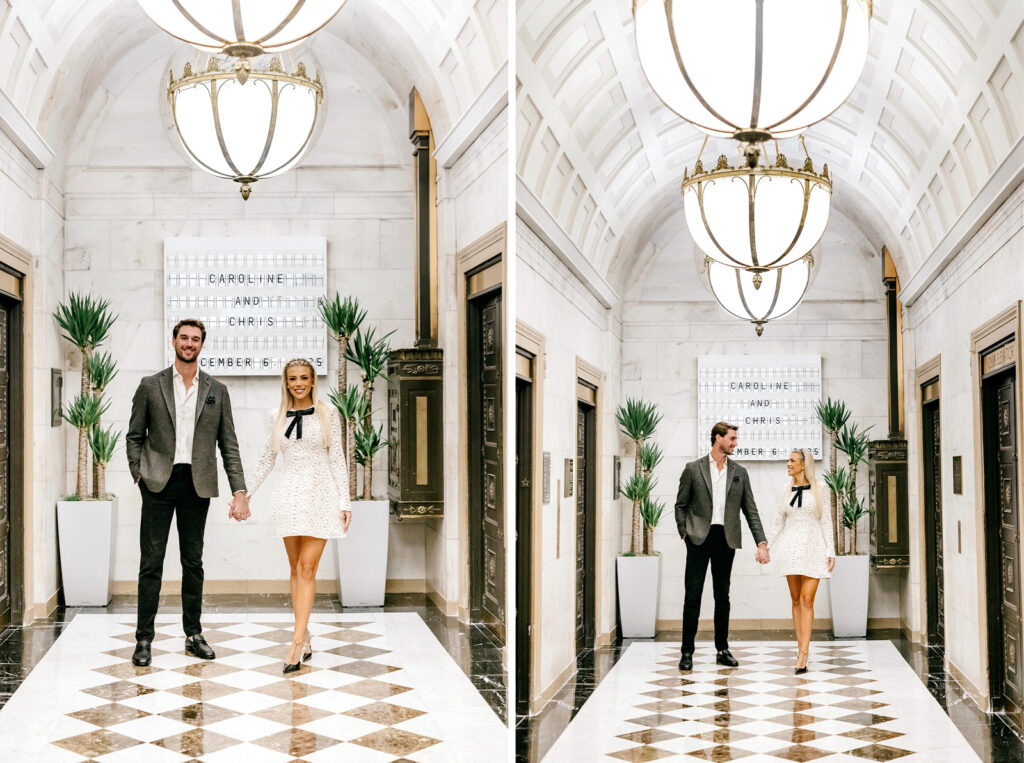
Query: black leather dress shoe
[(686, 662), (142, 655), (196, 645), (725, 658)]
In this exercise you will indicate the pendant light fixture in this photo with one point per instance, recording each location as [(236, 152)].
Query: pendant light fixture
[(759, 297)]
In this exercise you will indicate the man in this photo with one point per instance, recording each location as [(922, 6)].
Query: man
[(179, 416), (712, 492)]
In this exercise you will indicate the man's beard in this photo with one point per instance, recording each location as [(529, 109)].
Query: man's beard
[(178, 355)]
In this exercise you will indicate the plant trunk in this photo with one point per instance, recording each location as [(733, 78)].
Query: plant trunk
[(367, 422), (837, 524), (368, 426), (368, 479), (636, 534), (96, 393), (342, 389), (350, 444), (648, 540), (100, 484), (82, 485), (853, 495)]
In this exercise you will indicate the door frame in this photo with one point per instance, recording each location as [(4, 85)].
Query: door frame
[(590, 515), (491, 246), (595, 377), (18, 262), (1004, 326), (925, 373), (532, 341)]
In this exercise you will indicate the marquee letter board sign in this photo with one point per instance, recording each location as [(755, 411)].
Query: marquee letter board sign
[(257, 298), (771, 398)]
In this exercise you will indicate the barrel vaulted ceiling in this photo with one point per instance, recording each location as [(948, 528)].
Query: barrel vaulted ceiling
[(938, 109), (56, 55)]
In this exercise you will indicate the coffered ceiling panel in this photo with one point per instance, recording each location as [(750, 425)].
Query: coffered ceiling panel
[(938, 108)]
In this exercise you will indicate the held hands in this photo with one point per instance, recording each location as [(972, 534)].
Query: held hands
[(831, 563), (346, 520), (762, 554), (238, 509)]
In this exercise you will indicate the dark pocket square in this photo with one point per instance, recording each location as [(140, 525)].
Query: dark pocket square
[(211, 400)]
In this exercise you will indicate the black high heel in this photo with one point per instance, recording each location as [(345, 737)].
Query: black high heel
[(291, 667), (801, 671), (308, 652)]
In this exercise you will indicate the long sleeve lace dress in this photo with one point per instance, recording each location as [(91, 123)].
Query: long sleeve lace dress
[(800, 542)]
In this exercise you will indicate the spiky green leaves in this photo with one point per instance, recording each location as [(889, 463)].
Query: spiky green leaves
[(854, 443), (638, 419), (638, 488), (84, 411), (102, 369), (833, 414), (370, 353), (651, 511), (368, 443), (650, 456), (85, 320), (102, 443), (351, 404), (342, 317), (854, 509)]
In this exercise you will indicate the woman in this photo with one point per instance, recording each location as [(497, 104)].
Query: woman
[(801, 544), (310, 502)]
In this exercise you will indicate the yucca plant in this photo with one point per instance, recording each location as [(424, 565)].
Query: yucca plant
[(651, 512), (370, 353), (368, 443), (351, 406), (853, 509), (85, 321), (84, 413), (853, 442), (343, 319), (637, 420), (102, 442), (650, 456), (833, 415), (102, 370)]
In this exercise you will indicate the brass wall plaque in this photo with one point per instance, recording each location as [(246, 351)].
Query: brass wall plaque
[(958, 475), (546, 498), (999, 358), (569, 481)]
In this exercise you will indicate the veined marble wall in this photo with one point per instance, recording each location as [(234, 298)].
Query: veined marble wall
[(31, 215), (552, 301), (984, 279), (128, 189), (670, 318)]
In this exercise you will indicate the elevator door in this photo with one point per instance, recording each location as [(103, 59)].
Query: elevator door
[(933, 526), (585, 510), (5, 468), (524, 541), (487, 506)]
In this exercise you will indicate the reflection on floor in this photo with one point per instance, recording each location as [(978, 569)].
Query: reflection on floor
[(990, 738), (379, 687)]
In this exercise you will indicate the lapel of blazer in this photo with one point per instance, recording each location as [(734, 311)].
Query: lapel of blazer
[(202, 390), (166, 382), (705, 469)]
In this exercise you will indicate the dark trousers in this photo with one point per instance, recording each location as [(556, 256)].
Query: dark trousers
[(717, 551), (178, 499)]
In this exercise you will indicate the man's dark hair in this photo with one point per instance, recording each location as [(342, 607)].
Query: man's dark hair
[(721, 429), (194, 322)]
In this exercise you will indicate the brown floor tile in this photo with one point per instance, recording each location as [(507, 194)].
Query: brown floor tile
[(200, 714), (108, 715), (641, 754), (662, 706), (365, 669), (98, 742), (292, 714), (395, 741), (206, 669), (879, 752), (720, 754), (855, 692), (868, 734), (791, 705), (289, 690), (296, 742), (860, 705), (654, 720), (865, 719), (202, 690), (118, 690), (649, 736), (384, 713), (799, 753), (373, 689), (274, 668), (196, 743), (731, 705), (722, 736), (126, 670), (667, 693), (357, 651), (679, 681), (351, 636), (797, 736)]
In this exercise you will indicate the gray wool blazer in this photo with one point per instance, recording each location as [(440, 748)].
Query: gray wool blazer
[(694, 506), (150, 440)]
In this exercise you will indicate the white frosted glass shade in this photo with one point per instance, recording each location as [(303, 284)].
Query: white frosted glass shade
[(719, 67), (245, 131), (760, 217), (266, 26), (780, 290)]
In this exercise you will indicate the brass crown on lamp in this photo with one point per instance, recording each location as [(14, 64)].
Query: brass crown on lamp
[(752, 69), (758, 217), (245, 130)]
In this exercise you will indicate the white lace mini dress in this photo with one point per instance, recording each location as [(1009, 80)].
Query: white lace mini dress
[(313, 488), (799, 542)]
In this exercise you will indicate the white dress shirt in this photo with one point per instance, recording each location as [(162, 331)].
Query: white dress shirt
[(184, 417), (719, 487)]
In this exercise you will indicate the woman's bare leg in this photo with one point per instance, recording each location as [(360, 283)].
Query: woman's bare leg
[(310, 551), (794, 594), (291, 547), (808, 590)]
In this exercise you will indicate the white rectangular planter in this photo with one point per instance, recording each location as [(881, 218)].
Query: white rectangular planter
[(639, 582), (362, 556), (85, 532), (848, 592)]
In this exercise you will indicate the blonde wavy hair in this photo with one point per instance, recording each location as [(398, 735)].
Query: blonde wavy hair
[(808, 459), (287, 400)]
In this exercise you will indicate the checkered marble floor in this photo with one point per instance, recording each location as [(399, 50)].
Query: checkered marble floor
[(859, 700), (379, 687)]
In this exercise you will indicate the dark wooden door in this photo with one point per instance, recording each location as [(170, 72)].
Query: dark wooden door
[(933, 526), (524, 541), (1006, 656), (5, 468), (585, 510), (487, 504)]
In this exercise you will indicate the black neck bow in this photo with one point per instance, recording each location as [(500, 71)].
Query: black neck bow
[(798, 495), (297, 423)]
